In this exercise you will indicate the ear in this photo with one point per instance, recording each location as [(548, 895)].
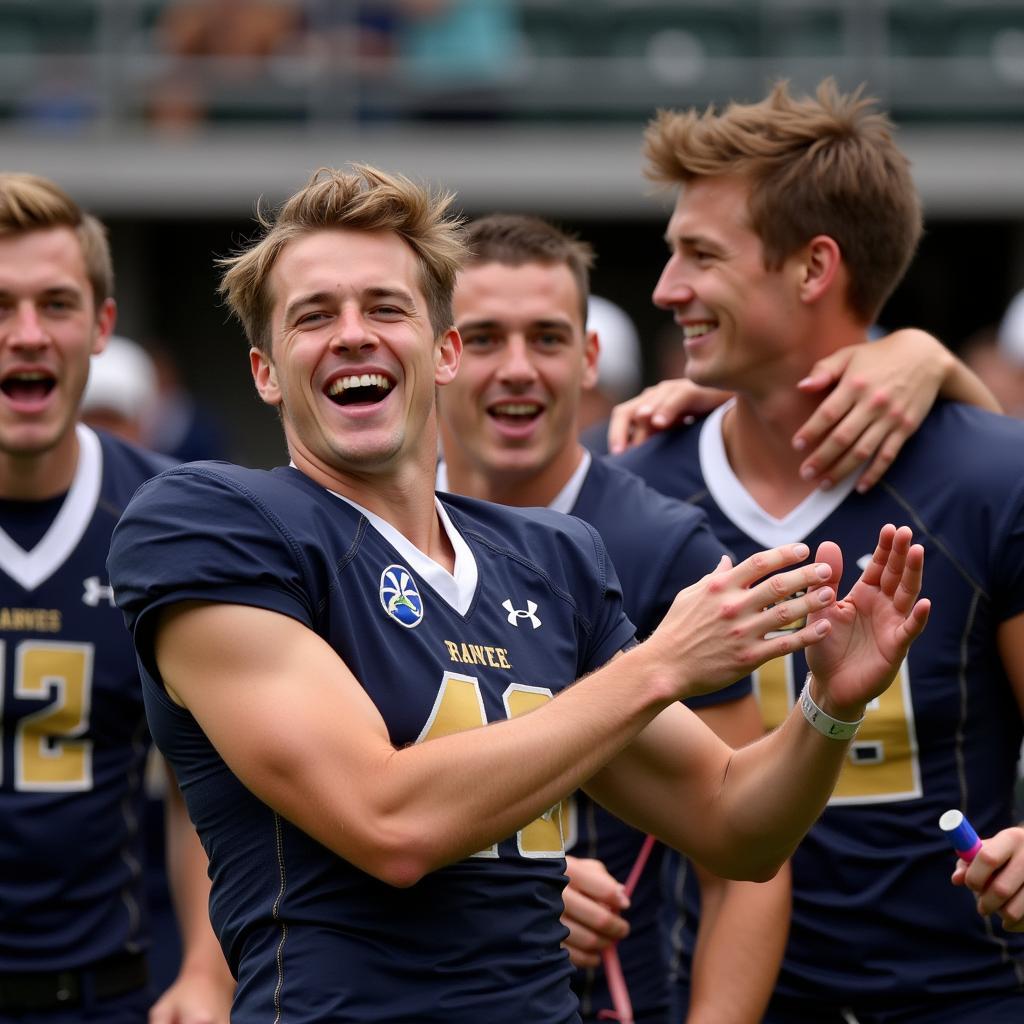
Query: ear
[(818, 267), (447, 356), (264, 375), (106, 317), (591, 351)]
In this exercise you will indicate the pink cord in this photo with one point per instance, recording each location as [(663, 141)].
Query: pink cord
[(623, 1011)]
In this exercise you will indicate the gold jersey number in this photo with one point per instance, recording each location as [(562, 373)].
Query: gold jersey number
[(882, 764), (50, 751), (459, 706)]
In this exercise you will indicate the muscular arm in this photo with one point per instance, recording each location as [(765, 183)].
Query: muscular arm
[(741, 934), (203, 990), (746, 821), (290, 720)]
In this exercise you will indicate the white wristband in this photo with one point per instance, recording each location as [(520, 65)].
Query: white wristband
[(828, 726)]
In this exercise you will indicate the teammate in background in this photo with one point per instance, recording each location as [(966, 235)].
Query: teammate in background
[(321, 618), (508, 428), (509, 433), (73, 927), (794, 220)]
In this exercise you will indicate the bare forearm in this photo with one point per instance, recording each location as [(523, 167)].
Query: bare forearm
[(190, 889), (777, 787), (447, 798), (739, 948), (961, 384)]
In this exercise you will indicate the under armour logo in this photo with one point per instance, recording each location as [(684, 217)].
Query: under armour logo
[(514, 614), (96, 592)]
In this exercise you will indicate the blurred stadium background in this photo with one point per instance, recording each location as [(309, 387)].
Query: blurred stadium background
[(169, 118)]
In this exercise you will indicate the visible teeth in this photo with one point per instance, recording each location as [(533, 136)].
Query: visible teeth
[(517, 409), (696, 330), (30, 375), (356, 380)]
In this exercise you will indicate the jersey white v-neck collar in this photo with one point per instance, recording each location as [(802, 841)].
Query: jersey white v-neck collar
[(563, 501), (739, 506), (31, 568), (458, 588)]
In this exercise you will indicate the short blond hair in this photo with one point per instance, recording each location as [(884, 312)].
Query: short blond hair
[(824, 165), (366, 199), (30, 203)]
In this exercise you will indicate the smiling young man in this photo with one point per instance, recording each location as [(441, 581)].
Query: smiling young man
[(322, 652), (509, 426), (73, 927), (509, 431), (795, 218)]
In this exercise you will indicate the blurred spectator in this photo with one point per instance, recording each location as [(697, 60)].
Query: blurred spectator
[(122, 390), (180, 426), (619, 370), (246, 33), (992, 355), (459, 54)]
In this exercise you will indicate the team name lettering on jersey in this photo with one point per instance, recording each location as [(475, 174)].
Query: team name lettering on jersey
[(478, 654), (31, 620)]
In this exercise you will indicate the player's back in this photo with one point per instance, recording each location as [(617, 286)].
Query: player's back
[(74, 736), (532, 605), (946, 733)]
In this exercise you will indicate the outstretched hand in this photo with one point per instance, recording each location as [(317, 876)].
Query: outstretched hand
[(873, 626), (738, 617)]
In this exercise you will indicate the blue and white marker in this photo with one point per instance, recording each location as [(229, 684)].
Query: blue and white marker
[(961, 835)]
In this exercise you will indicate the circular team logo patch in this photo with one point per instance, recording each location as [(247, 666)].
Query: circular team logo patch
[(399, 596)]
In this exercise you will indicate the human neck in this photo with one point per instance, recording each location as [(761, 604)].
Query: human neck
[(404, 498), (527, 489), (38, 476), (758, 430)]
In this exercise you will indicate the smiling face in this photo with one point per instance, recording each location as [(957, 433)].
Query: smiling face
[(353, 362), (49, 328), (738, 318), (510, 416)]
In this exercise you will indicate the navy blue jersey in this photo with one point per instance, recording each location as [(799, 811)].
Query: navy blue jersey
[(875, 870), (302, 928), (658, 546), (74, 730)]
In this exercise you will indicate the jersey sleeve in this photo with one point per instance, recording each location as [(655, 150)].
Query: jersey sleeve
[(193, 534), (607, 628)]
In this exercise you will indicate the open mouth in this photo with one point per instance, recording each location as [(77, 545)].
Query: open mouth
[(698, 330), (360, 389), (515, 413), (28, 386)]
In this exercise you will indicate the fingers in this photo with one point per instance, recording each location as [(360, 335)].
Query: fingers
[(764, 563), (620, 424), (872, 574), (884, 458), (593, 901), (826, 372), (996, 877), (823, 421), (656, 408)]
